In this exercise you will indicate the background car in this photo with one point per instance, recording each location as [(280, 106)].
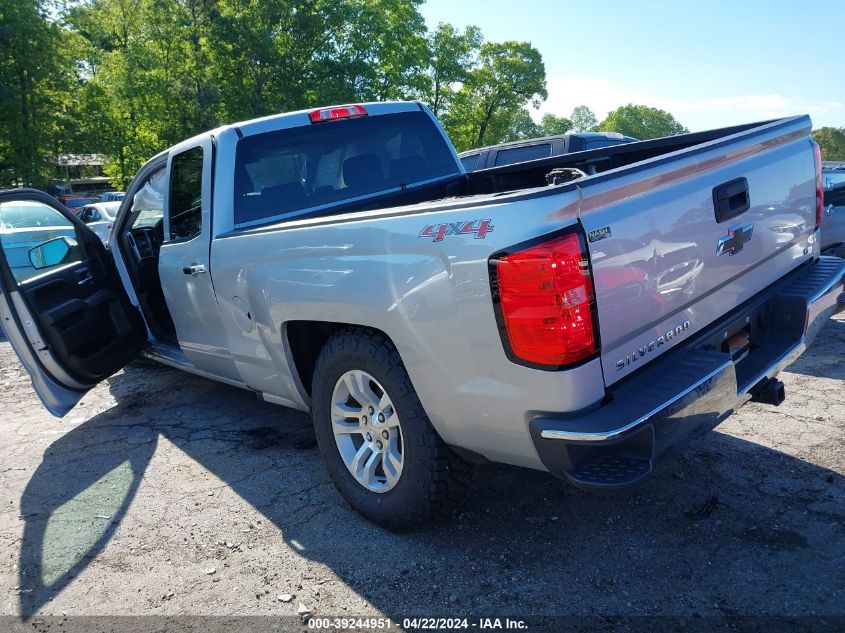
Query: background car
[(74, 203), (99, 217), (833, 217), (112, 196), (532, 149)]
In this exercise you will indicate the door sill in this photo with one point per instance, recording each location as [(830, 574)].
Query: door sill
[(173, 356)]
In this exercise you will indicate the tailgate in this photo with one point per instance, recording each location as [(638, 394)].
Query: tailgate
[(678, 241)]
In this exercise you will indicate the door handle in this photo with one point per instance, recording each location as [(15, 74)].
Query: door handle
[(731, 199), (194, 270), (829, 210)]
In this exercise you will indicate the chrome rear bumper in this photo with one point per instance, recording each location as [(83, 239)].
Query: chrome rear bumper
[(691, 390)]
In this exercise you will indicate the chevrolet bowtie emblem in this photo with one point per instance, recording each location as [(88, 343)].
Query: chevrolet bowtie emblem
[(736, 238)]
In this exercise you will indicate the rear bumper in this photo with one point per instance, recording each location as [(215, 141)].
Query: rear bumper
[(837, 250), (691, 390)]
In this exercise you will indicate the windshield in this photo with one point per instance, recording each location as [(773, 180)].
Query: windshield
[(30, 215), (280, 173)]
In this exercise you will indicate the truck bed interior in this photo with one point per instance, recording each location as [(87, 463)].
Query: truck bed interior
[(533, 173)]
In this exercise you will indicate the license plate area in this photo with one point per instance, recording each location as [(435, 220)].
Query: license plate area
[(758, 334)]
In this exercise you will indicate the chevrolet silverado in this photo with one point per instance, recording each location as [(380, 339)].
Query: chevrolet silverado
[(576, 314)]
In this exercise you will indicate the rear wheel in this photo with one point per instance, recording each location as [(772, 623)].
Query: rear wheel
[(381, 450)]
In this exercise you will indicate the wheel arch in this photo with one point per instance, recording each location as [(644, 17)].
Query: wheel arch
[(306, 339)]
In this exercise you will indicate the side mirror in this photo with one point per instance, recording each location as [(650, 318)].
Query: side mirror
[(51, 253)]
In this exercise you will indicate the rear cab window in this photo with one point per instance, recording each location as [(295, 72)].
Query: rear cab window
[(292, 172), (521, 154), (603, 142)]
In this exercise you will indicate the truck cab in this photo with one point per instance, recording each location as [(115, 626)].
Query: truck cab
[(161, 296)]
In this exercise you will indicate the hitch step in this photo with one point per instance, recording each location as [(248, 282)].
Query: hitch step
[(613, 470)]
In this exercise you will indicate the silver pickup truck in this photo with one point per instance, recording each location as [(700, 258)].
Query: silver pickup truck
[(576, 314)]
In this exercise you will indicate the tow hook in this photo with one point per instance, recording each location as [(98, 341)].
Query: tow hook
[(769, 391)]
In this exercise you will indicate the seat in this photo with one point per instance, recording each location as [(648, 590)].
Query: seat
[(273, 200), (286, 197), (363, 172)]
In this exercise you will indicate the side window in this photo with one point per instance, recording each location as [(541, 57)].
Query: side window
[(36, 239), (185, 206), (470, 162), (522, 154), (604, 142), (89, 215)]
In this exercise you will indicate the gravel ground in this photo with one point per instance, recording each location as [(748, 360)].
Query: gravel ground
[(166, 494)]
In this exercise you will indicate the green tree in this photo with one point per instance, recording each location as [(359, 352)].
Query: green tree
[(583, 119), (831, 140), (38, 81), (452, 55), (129, 78), (271, 56), (150, 83), (512, 125), (517, 125), (551, 125), (510, 76), (641, 122), (380, 49)]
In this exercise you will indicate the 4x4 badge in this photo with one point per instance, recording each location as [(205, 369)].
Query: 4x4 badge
[(733, 242), (480, 228)]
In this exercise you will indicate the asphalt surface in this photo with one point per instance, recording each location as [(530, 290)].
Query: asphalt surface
[(165, 494)]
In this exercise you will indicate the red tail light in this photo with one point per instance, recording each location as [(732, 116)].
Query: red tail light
[(817, 158), (332, 114), (546, 302)]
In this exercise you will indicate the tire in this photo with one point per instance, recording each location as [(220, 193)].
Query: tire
[(432, 482)]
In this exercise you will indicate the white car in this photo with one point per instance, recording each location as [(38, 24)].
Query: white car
[(99, 217)]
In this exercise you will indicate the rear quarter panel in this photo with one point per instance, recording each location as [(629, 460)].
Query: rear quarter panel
[(432, 298)]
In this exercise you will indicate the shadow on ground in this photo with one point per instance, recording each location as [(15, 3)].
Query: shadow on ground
[(826, 358), (723, 527)]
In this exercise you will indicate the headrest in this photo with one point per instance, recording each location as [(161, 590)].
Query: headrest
[(363, 172)]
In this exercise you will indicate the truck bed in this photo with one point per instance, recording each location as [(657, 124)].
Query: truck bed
[(532, 174)]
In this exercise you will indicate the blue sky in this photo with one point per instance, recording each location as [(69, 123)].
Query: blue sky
[(710, 63)]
